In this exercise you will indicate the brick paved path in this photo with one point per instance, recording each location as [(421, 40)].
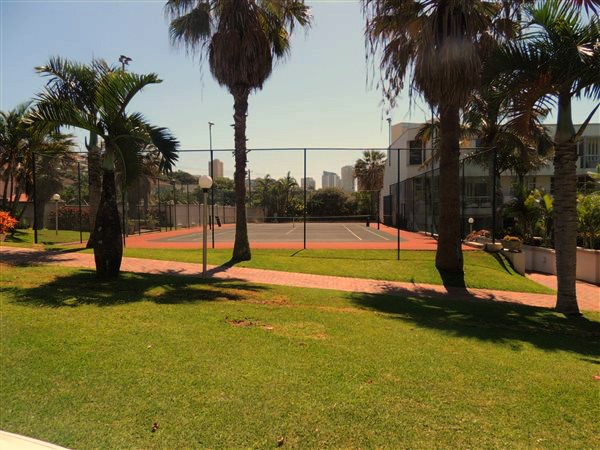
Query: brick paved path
[(589, 302)]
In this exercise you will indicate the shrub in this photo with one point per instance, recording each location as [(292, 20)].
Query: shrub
[(68, 218), (7, 222)]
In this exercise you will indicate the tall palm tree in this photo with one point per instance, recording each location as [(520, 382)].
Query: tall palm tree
[(369, 171), (125, 136), (78, 83), (442, 45), (241, 39), (557, 59), (19, 143), (288, 183)]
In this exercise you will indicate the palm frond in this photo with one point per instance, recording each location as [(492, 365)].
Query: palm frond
[(116, 89), (191, 27)]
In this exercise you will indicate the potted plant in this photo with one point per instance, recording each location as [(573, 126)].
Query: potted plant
[(512, 243), (7, 224)]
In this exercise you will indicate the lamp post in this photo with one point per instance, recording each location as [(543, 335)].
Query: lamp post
[(56, 199), (124, 60), (471, 221), (212, 190), (170, 203), (205, 182)]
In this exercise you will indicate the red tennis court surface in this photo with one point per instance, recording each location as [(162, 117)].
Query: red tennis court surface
[(291, 236)]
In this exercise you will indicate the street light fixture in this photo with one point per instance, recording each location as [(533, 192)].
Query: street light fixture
[(471, 221), (205, 183), (56, 199), (124, 60)]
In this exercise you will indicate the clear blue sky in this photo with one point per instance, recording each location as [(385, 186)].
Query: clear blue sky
[(318, 97)]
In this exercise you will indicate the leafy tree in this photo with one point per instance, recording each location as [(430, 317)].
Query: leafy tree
[(78, 83), (126, 136), (241, 39), (328, 202), (556, 59), (182, 177), (443, 45), (588, 219), (369, 171), (19, 143)]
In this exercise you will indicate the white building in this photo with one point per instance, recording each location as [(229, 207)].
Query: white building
[(310, 183), (217, 168), (414, 201), (347, 183), (330, 180)]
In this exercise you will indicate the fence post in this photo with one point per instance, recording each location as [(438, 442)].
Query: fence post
[(35, 224), (123, 211), (174, 206), (79, 200), (305, 183), (398, 206), (494, 198), (187, 194)]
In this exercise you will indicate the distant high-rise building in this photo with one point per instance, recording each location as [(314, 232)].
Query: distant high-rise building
[(217, 171), (348, 178), (310, 183), (330, 180)]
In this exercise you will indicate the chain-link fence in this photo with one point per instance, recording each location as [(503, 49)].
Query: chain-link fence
[(284, 185)]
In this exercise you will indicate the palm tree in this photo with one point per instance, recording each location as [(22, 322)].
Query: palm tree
[(78, 83), (288, 183), (369, 171), (442, 44), (264, 192), (125, 135), (557, 59), (19, 143), (241, 38)]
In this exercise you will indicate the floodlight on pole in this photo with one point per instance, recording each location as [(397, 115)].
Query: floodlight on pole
[(205, 183), (56, 199), (124, 60)]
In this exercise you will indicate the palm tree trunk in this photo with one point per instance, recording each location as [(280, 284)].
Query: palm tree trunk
[(565, 208), (449, 252), (241, 246), (94, 182), (108, 246)]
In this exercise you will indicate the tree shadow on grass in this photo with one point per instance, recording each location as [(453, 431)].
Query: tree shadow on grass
[(488, 320), (84, 288)]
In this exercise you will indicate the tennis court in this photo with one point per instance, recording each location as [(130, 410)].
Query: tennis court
[(355, 234), (293, 232)]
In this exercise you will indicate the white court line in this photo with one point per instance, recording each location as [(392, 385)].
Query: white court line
[(352, 233), (377, 234)]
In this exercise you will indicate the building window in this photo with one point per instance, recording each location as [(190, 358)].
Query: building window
[(589, 152), (415, 152)]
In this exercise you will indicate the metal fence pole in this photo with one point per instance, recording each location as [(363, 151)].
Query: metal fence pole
[(158, 201), (494, 197), (398, 205), (35, 224), (175, 207), (187, 195), (123, 211), (139, 216), (463, 188), (305, 183), (79, 200)]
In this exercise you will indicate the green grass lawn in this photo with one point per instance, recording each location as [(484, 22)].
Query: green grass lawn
[(46, 238), (482, 270), (228, 364)]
